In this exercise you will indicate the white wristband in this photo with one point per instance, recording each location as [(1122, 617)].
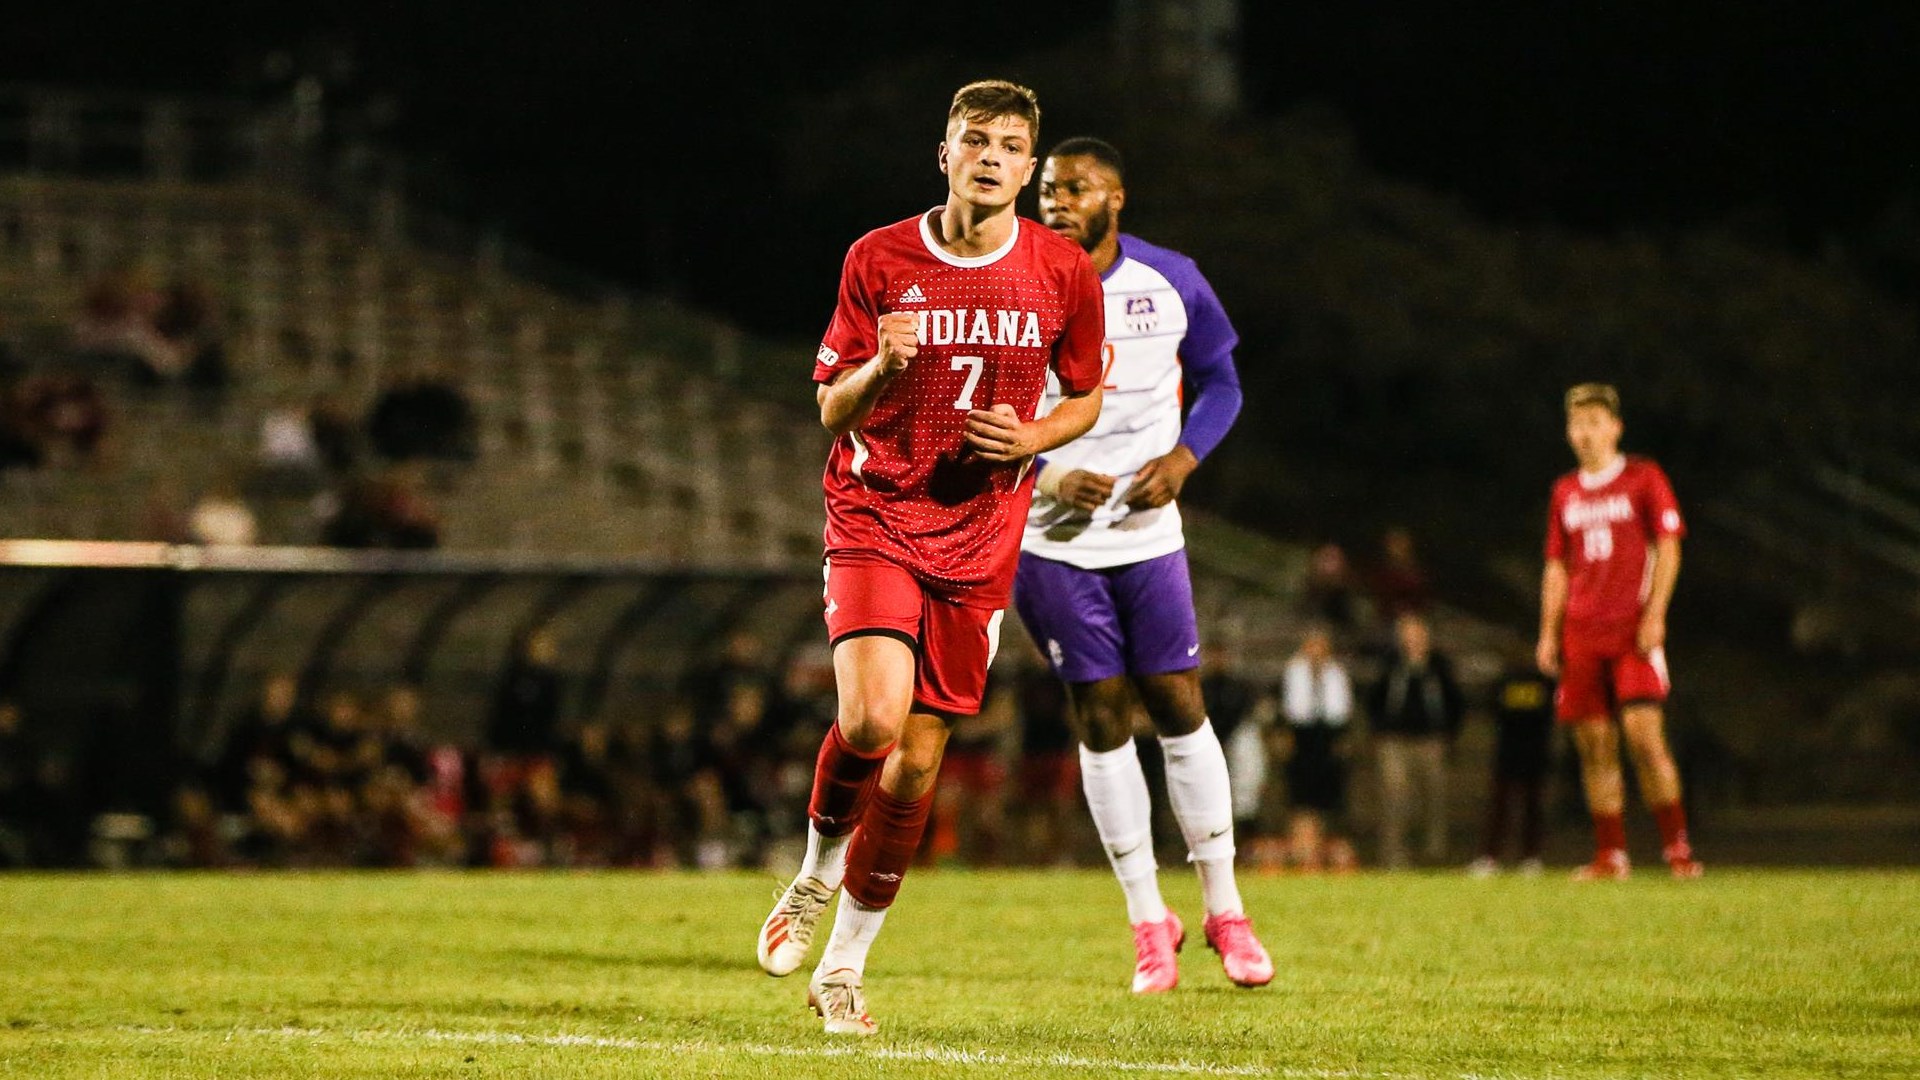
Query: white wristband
[(1048, 482)]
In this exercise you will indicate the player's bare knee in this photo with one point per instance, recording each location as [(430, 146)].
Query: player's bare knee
[(915, 769), (1598, 744), (1646, 732), (866, 729), (1173, 702), (1103, 712)]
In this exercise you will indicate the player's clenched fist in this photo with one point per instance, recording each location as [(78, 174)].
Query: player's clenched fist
[(898, 342), (1546, 655)]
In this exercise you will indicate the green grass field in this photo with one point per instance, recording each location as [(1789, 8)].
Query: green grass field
[(978, 975)]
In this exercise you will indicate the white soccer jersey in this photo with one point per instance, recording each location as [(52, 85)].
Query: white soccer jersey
[(1163, 324)]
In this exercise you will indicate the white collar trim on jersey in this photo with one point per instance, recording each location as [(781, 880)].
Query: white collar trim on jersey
[(1605, 476), (948, 257)]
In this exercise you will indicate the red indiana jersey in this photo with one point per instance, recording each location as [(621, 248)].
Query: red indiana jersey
[(1602, 526), (905, 485)]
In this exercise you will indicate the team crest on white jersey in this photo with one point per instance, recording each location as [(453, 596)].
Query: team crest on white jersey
[(1141, 316), (913, 295)]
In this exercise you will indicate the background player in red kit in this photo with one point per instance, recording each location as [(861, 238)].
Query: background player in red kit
[(931, 372), (1613, 555)]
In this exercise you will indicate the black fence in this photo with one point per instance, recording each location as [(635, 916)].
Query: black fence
[(131, 662)]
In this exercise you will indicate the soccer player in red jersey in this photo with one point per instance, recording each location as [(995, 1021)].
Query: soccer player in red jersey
[(930, 375), (1613, 555)]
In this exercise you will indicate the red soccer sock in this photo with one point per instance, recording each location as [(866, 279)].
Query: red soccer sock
[(879, 854), (1672, 819), (1609, 832), (843, 780)]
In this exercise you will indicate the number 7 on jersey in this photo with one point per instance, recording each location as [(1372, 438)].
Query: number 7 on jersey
[(973, 365)]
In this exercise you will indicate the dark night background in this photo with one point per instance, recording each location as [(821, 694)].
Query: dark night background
[(582, 126), (1426, 218)]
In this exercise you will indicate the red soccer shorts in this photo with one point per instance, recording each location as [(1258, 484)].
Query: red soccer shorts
[(1593, 685), (867, 594)]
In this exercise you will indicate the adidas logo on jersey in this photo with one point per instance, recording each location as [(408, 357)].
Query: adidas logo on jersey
[(913, 295)]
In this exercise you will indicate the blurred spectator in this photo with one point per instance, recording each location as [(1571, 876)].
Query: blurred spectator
[(692, 802), (194, 837), (114, 332), (1317, 702), (264, 732), (221, 517), (301, 447), (1523, 721), (68, 415), (288, 461), (1234, 707), (164, 514), (525, 722), (424, 418), (19, 768), (741, 745), (387, 511), (1048, 796), (400, 825), (590, 797), (803, 708), (276, 813), (711, 686), (1415, 709), (968, 820), (1400, 584), (396, 723), (520, 770), (1330, 595), (19, 436), (335, 434), (409, 815), (185, 321), (341, 749)]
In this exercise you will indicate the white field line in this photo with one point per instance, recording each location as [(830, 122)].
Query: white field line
[(934, 1055)]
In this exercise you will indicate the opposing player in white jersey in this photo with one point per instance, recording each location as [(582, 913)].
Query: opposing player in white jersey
[(1103, 583)]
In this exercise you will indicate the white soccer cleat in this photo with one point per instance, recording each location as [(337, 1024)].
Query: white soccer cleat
[(787, 934), (841, 1001)]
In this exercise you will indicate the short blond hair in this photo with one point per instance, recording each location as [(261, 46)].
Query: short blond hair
[(990, 99), (1594, 393)]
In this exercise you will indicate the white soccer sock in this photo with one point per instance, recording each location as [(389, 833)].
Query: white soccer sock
[(826, 857), (855, 925), (1202, 798), (1123, 815)]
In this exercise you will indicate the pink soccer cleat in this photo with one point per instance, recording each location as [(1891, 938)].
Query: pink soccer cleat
[(1681, 861), (1609, 865), (1241, 953), (1155, 971)]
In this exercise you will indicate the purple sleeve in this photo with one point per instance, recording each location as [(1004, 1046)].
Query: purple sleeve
[(1206, 355)]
